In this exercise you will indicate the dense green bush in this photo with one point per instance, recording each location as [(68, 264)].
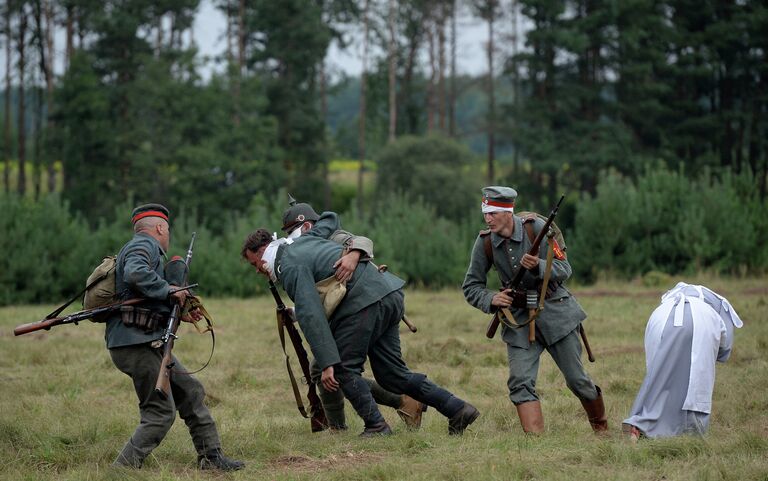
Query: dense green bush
[(440, 171), (662, 222), (415, 243), (667, 222)]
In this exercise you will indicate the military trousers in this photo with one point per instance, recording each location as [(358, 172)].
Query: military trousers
[(373, 332), (524, 368), (333, 401), (142, 364)]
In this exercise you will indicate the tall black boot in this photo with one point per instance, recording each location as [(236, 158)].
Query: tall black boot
[(215, 459)]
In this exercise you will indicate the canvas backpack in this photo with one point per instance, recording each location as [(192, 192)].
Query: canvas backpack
[(100, 287)]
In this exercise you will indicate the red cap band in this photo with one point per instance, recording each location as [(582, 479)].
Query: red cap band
[(149, 213), (496, 203)]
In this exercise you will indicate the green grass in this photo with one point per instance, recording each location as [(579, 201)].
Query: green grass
[(65, 411)]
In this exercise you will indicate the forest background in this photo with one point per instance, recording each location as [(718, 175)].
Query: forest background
[(650, 115)]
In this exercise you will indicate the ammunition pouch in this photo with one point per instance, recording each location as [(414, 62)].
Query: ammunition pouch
[(140, 318), (518, 295)]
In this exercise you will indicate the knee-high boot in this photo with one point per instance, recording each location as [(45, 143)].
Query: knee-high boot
[(333, 405), (530, 417), (596, 412)]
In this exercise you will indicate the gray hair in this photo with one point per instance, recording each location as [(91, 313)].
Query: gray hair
[(147, 223)]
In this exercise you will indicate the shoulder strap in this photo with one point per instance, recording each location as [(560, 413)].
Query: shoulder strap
[(528, 224), (79, 294), (486, 235)]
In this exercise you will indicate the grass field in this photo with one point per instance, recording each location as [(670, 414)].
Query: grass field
[(65, 411)]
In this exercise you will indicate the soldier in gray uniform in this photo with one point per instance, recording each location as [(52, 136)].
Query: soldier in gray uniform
[(557, 326), (365, 324), (301, 219), (133, 339)]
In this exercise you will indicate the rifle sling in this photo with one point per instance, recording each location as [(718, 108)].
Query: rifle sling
[(58, 310), (210, 356), (294, 385), (506, 316)]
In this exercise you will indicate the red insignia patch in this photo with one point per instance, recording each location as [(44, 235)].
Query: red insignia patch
[(559, 254)]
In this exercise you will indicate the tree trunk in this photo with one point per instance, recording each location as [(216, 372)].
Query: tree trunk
[(38, 8), (452, 85), (38, 151), (441, 70), (7, 151), (432, 74), (362, 114), (22, 185), (515, 84), (491, 105), (324, 112), (240, 60), (240, 38), (159, 36), (230, 49), (70, 33), (50, 126), (392, 71)]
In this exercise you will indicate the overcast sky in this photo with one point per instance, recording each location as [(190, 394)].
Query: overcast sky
[(210, 26), (471, 58)]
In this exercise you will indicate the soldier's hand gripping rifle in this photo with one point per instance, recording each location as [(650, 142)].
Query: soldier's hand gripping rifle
[(520, 272), (286, 321), (163, 384), (83, 315)]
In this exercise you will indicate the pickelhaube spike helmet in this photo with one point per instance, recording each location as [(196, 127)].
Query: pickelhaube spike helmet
[(297, 214)]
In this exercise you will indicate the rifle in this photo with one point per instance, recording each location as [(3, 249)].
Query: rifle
[(163, 384), (78, 316), (518, 277), (286, 319)]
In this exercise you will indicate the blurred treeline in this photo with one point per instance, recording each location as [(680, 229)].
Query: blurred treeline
[(652, 115), (663, 221)]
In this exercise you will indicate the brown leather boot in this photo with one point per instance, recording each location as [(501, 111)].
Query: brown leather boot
[(530, 417), (596, 412), (410, 411)]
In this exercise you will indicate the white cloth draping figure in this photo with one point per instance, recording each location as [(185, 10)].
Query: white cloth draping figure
[(691, 329)]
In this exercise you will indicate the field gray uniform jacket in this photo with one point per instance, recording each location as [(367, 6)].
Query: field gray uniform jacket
[(561, 314), (310, 259), (139, 273), (328, 226)]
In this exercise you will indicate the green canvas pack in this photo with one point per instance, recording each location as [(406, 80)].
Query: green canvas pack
[(100, 287)]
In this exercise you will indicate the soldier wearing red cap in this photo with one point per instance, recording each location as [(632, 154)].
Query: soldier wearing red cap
[(133, 339)]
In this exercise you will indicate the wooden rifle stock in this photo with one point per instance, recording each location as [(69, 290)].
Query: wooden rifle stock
[(493, 325), (490, 331), (584, 339), (73, 318), (163, 384), (78, 316), (286, 319)]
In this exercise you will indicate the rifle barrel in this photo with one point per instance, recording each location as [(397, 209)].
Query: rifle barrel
[(163, 384)]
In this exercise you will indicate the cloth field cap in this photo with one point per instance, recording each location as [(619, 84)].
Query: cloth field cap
[(498, 198), (149, 210), (297, 214)]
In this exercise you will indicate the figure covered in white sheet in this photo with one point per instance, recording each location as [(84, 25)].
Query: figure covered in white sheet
[(691, 329)]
